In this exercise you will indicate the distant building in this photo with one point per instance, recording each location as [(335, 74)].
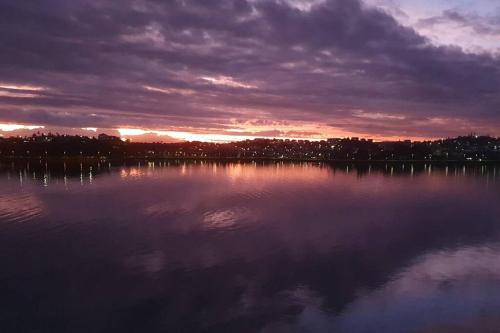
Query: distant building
[(333, 140), (108, 138)]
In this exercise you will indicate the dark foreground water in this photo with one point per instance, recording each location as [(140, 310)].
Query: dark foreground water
[(207, 247)]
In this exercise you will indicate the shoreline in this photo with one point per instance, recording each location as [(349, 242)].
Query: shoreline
[(238, 159)]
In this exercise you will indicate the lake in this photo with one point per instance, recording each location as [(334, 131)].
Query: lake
[(248, 247)]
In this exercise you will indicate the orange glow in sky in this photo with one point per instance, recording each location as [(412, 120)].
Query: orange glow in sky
[(309, 132), (15, 127), (21, 87), (191, 136)]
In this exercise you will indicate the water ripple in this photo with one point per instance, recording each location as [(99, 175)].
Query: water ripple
[(19, 207)]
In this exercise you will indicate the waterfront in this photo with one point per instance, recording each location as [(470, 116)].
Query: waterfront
[(246, 247)]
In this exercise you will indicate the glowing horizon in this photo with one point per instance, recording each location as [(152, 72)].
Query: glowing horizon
[(204, 137), (163, 135), (16, 127)]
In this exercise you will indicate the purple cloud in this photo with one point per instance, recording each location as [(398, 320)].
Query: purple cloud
[(206, 65)]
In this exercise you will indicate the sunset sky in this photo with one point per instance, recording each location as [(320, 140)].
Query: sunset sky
[(222, 70)]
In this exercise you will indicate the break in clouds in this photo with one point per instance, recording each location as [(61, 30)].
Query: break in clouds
[(293, 68)]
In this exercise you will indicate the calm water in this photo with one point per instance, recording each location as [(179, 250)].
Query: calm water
[(204, 247)]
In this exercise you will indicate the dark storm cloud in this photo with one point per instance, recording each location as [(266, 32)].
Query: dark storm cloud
[(210, 61)]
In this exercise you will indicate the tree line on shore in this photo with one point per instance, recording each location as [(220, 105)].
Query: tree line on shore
[(463, 148)]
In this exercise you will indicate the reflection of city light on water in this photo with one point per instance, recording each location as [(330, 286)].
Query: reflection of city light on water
[(234, 171), (130, 172)]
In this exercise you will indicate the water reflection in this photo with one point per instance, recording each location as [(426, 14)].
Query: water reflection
[(256, 247), (86, 170)]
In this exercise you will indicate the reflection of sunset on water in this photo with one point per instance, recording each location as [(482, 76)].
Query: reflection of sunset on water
[(348, 244)]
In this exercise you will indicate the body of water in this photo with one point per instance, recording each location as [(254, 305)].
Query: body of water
[(245, 247)]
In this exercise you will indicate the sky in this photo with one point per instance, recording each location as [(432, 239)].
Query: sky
[(223, 70)]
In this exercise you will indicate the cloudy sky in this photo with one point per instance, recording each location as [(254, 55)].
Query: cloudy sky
[(236, 69)]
